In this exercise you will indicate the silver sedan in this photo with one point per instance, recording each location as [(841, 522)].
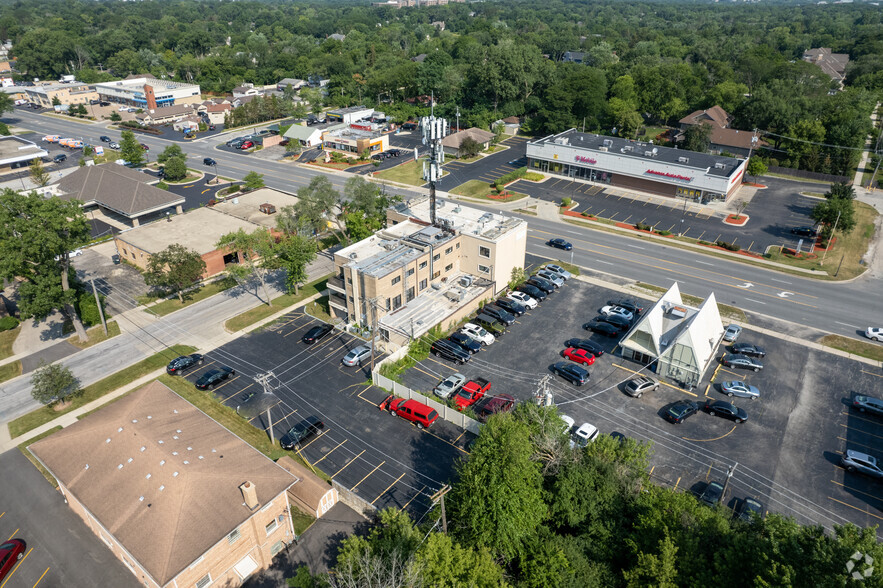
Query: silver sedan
[(740, 389)]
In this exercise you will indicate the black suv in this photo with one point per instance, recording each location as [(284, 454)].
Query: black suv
[(499, 314), (209, 161), (59, 158), (300, 432), (450, 351), (179, 364), (541, 283), (532, 291), (511, 306), (208, 380), (465, 342)]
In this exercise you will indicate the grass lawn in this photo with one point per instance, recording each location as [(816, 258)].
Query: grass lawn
[(483, 191), (43, 415), (854, 346), (96, 335), (172, 304), (320, 309), (410, 173), (10, 370), (250, 317), (24, 449), (301, 521), (7, 338), (652, 132), (188, 178)]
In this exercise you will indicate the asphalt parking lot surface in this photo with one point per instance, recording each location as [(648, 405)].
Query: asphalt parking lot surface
[(61, 550), (197, 193), (786, 454), (385, 460), (486, 169), (120, 283)]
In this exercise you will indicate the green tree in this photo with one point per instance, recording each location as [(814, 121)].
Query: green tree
[(383, 558), (253, 180), (290, 222), (697, 138), (295, 252), (835, 213), (175, 268), (498, 500), (36, 236), (368, 198), (840, 191), (130, 149), (655, 569), (257, 256), (115, 116), (444, 563), (38, 173), (56, 101), (755, 167), (175, 169), (517, 276), (470, 147), (173, 150), (52, 383), (320, 206), (6, 103)]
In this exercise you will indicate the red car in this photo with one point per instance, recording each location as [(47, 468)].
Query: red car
[(578, 355), (10, 553), (410, 410), (145, 147), (471, 392), (247, 145)]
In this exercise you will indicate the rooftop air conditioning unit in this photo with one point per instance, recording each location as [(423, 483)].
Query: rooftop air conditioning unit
[(466, 281), (608, 143), (720, 165), (678, 312), (602, 148), (648, 154), (683, 160)]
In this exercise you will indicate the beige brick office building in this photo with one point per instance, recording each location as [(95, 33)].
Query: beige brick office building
[(179, 499)]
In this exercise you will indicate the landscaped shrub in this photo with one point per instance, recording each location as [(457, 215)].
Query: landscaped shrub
[(8, 323), (643, 227), (663, 233), (588, 214), (728, 246), (566, 202)]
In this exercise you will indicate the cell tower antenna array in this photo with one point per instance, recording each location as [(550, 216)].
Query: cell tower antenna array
[(434, 130)]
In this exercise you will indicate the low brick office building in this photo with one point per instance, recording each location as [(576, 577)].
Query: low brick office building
[(178, 498)]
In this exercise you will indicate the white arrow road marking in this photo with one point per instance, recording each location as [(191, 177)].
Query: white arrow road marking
[(745, 285), (785, 294)]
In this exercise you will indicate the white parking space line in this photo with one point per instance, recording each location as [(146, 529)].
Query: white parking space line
[(848, 325)]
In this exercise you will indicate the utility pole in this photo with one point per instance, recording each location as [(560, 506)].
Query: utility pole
[(458, 119), (434, 130), (730, 471), (373, 302), (440, 497), (98, 304), (264, 381), (825, 254), (753, 143)]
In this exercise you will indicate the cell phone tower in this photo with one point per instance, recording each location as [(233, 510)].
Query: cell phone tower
[(434, 130)]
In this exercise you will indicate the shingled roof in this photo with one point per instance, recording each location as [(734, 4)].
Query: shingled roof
[(455, 140), (118, 188)]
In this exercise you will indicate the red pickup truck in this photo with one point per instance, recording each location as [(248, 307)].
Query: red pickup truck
[(471, 392)]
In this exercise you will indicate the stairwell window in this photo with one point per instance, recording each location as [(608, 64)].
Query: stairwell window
[(396, 280), (484, 252)]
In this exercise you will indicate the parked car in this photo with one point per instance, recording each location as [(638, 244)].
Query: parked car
[(115, 258), (113, 145), (522, 298), (356, 356), (731, 333), (874, 333), (144, 146), (867, 403), (748, 508), (741, 361), (602, 328), (209, 161), (316, 333), (740, 389), (510, 306), (568, 423), (578, 355), (585, 434), (499, 314), (680, 411), (410, 410), (471, 392), (477, 333), (465, 342), (449, 386), (566, 275), (551, 276), (862, 463), (725, 410), (212, 378), (11, 553), (571, 372), (712, 494), (493, 405), (640, 384), (804, 231), (450, 351), (748, 349), (532, 291), (59, 158), (630, 304), (179, 364), (490, 323), (105, 139), (586, 344), (559, 244), (301, 433), (541, 284), (617, 310), (616, 320), (246, 145), (235, 143)]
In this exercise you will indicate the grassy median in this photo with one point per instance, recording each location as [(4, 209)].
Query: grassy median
[(95, 335), (192, 297), (7, 338), (250, 317), (854, 346)]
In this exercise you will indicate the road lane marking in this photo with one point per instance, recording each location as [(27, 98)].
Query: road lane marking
[(753, 300), (780, 281), (841, 502), (705, 263), (847, 325), (633, 246), (366, 476), (387, 488), (347, 464), (605, 262)]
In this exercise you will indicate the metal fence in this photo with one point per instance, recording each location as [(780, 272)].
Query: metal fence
[(444, 411), (808, 175)]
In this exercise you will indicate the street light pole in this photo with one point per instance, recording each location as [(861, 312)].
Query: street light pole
[(825, 254)]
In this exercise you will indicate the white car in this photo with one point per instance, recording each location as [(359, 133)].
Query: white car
[(559, 270), (477, 333), (522, 298), (874, 333), (618, 310), (113, 145), (584, 435), (449, 386), (552, 277), (74, 253), (568, 423)]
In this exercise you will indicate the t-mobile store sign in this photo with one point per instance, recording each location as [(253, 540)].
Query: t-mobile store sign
[(584, 159), (669, 175)]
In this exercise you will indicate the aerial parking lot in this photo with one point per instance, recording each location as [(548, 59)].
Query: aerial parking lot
[(786, 454), (386, 461)]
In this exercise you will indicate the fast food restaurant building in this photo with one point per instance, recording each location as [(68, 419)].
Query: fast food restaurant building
[(637, 165)]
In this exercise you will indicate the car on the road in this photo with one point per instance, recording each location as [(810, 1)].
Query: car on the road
[(145, 147), (748, 508), (59, 158), (113, 145), (578, 355), (105, 139), (11, 553), (213, 377), (749, 349), (726, 410), (804, 231), (602, 328), (179, 364), (209, 161), (571, 372), (356, 356), (858, 462), (737, 360), (522, 298), (551, 276), (450, 351), (478, 333), (246, 145), (395, 152), (740, 389), (630, 304), (552, 267), (874, 333), (410, 410), (541, 284), (301, 433), (511, 306), (617, 320), (731, 333), (211, 127), (493, 405), (559, 243), (864, 403), (680, 411), (449, 386), (585, 434), (532, 291), (640, 384), (465, 341), (712, 494), (618, 310), (316, 333), (586, 344), (498, 313)]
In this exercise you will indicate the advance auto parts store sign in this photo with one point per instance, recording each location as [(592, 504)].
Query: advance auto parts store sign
[(669, 175)]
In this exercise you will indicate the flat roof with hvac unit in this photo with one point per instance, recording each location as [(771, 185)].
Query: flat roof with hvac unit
[(15, 150)]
